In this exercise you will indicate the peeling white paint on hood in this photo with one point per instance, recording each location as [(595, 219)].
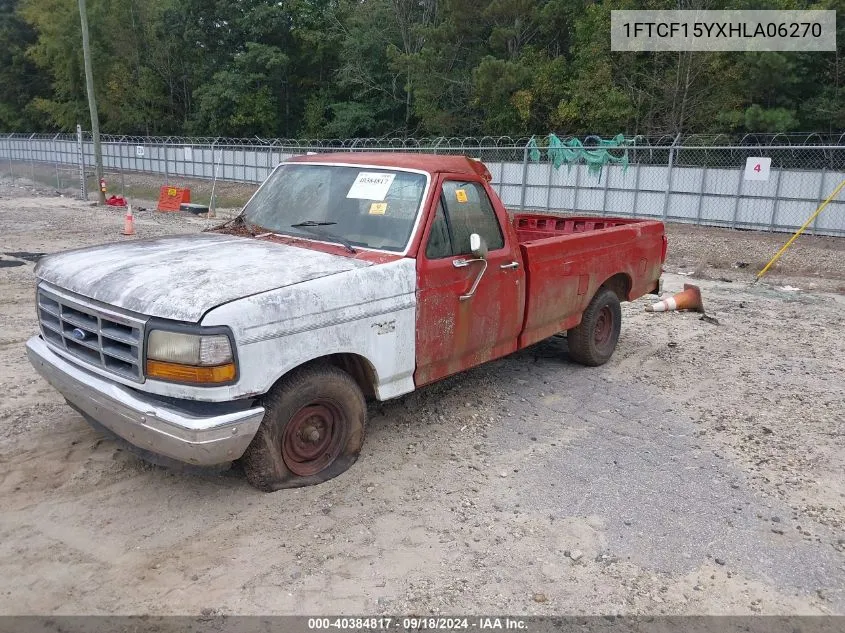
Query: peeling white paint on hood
[(183, 277)]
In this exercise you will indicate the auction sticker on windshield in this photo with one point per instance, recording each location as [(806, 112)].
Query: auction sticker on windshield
[(370, 185)]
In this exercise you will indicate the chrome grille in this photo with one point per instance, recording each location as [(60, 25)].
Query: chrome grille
[(94, 335)]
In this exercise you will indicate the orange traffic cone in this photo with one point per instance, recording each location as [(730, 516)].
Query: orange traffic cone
[(689, 299), (129, 222)]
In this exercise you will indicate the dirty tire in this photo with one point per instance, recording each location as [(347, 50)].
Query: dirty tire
[(593, 340), (312, 430)]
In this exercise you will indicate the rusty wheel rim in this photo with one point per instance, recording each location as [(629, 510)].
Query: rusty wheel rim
[(603, 331), (313, 438)]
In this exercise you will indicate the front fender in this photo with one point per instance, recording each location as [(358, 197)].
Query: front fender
[(369, 312)]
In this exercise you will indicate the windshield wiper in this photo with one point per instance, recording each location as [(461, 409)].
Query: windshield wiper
[(312, 223), (309, 225)]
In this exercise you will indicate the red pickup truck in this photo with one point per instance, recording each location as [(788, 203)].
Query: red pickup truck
[(346, 276)]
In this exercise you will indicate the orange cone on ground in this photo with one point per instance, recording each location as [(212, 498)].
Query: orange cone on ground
[(129, 222), (689, 299)]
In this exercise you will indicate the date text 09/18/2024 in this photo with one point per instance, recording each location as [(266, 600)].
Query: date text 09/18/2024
[(417, 623)]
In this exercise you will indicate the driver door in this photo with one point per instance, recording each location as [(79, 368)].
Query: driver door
[(456, 331)]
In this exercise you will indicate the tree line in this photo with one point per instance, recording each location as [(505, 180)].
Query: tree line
[(349, 68)]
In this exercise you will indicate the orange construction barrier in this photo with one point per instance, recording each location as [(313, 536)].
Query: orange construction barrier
[(171, 198), (689, 299)]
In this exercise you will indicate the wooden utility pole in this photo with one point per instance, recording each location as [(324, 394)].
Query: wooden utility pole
[(92, 99)]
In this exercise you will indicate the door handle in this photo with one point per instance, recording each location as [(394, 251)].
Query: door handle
[(463, 263), (510, 266)]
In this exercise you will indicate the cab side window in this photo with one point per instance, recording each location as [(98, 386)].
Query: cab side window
[(468, 210)]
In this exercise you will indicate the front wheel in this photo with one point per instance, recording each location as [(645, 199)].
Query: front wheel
[(592, 341), (312, 430)]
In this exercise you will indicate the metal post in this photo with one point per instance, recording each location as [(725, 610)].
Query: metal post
[(213, 158), (120, 147), (772, 224), (524, 178), (31, 158), (501, 177), (56, 162), (11, 169), (219, 162), (549, 188), (669, 178), (604, 195), (738, 197), (821, 198), (166, 172), (211, 210), (80, 153), (577, 186), (178, 149), (636, 191), (701, 194)]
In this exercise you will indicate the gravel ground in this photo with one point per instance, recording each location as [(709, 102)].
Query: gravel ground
[(812, 262), (698, 472)]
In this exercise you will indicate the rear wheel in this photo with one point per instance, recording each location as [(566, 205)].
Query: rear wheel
[(593, 340), (312, 430)]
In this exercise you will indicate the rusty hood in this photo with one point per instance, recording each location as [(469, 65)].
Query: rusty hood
[(183, 277)]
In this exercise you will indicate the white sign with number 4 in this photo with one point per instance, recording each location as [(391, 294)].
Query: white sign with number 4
[(757, 168)]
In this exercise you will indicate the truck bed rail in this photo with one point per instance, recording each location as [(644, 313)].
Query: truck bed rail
[(532, 226)]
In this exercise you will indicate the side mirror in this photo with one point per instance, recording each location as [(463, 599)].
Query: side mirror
[(478, 246)]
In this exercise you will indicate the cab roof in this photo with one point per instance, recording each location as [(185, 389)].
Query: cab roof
[(431, 163)]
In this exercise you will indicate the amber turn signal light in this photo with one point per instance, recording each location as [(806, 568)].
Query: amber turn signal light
[(190, 373)]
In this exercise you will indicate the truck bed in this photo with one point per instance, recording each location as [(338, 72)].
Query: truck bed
[(568, 258), (531, 226)]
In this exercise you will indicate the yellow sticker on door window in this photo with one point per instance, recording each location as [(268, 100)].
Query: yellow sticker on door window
[(378, 208), (460, 195)]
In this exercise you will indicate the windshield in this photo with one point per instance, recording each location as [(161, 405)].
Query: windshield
[(360, 206)]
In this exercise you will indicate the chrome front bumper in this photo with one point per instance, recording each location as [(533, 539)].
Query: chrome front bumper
[(145, 421)]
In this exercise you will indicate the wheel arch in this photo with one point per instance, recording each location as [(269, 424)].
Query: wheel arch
[(363, 371), (620, 283)]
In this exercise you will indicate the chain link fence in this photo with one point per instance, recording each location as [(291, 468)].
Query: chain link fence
[(696, 179)]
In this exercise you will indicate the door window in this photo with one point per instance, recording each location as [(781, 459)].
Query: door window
[(467, 210)]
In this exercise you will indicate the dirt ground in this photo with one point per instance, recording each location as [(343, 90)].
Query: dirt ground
[(699, 472)]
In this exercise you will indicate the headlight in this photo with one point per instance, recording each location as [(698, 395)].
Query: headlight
[(194, 358), (189, 349)]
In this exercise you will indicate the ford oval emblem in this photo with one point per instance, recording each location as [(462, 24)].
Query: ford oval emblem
[(78, 334)]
